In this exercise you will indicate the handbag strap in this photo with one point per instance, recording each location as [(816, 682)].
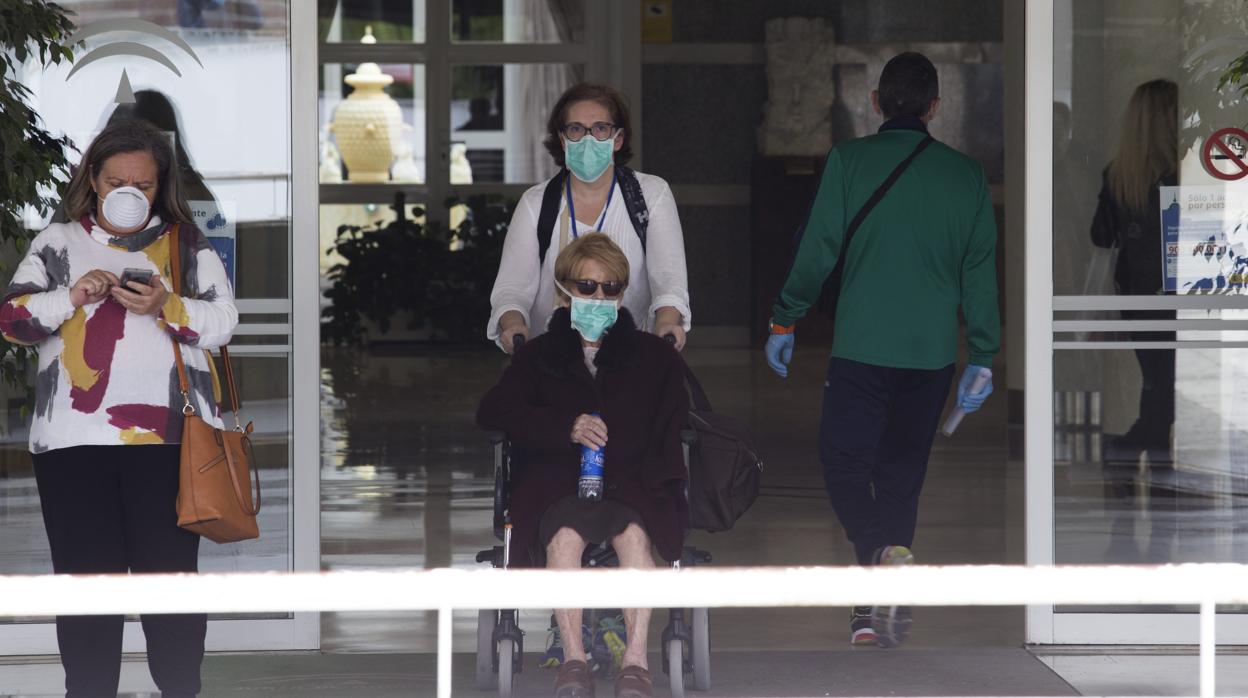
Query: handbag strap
[(175, 264), (876, 197), (231, 468), (700, 401)]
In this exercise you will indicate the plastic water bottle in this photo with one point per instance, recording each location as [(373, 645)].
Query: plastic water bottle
[(955, 417), (590, 485)]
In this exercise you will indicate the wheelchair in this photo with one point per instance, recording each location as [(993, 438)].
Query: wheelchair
[(685, 642)]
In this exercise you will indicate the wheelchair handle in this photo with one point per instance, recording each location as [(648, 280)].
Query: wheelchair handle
[(517, 341)]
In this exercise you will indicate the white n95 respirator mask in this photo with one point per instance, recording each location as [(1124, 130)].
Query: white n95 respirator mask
[(126, 208)]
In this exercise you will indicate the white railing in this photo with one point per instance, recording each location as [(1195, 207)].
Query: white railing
[(448, 590)]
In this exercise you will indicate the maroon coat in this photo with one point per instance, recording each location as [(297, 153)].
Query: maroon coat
[(640, 394)]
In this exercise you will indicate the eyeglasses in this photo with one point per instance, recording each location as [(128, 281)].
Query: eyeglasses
[(587, 287), (601, 130)]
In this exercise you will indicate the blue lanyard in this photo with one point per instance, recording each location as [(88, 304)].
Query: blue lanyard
[(572, 209)]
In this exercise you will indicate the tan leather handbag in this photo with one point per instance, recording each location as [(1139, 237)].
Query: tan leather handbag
[(214, 484)]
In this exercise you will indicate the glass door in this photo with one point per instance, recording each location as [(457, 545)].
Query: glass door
[(1138, 439), (218, 79)]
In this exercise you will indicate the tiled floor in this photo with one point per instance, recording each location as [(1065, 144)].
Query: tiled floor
[(409, 484)]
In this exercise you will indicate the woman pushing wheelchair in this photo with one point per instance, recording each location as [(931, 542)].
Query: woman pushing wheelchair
[(596, 380)]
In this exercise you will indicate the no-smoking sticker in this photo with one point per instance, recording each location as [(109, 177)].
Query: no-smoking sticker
[(1225, 154)]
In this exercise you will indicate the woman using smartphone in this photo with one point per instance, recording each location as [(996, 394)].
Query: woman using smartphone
[(108, 409)]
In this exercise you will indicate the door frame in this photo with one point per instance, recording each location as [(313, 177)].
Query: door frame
[(1043, 625), (296, 631), (1038, 314), (305, 337)]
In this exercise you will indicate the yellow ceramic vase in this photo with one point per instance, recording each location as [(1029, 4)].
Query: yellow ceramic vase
[(366, 125)]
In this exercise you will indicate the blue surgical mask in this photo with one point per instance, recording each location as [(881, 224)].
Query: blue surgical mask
[(592, 317), (589, 157)]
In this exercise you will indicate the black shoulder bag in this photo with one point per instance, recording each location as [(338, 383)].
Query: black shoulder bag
[(725, 471)]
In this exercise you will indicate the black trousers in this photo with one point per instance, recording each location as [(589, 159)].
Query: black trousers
[(112, 509), (1151, 429), (875, 438)]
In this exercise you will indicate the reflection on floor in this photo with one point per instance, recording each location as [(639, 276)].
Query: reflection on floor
[(407, 481), (842, 672), (1147, 674)]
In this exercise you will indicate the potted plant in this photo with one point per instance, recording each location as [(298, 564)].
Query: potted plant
[(425, 276), (35, 168)]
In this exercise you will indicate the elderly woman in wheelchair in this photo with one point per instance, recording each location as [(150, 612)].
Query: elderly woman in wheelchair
[(594, 379)]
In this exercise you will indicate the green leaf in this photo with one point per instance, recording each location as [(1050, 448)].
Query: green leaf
[(1236, 75), (34, 160)]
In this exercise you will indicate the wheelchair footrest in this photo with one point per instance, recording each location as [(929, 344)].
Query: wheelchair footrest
[(494, 556), (692, 557)]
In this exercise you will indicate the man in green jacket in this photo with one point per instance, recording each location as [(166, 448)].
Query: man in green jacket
[(927, 249)]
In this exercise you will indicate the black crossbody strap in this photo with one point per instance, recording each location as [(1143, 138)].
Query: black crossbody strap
[(548, 213), (863, 212), (635, 203), (552, 199)]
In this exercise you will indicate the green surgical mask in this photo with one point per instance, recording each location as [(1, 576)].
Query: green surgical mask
[(589, 157), (592, 317)]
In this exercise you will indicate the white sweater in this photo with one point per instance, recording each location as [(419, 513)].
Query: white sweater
[(106, 375), (657, 275)]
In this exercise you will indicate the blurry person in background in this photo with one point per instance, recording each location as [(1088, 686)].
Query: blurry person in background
[(156, 109), (480, 117), (1128, 217), (220, 14)]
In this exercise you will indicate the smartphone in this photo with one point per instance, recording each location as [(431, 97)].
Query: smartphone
[(143, 276)]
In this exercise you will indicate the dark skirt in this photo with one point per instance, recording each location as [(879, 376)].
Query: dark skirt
[(596, 522)]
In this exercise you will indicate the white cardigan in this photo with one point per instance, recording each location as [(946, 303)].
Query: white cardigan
[(657, 275)]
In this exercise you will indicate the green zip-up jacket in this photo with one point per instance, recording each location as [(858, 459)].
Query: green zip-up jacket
[(927, 248)]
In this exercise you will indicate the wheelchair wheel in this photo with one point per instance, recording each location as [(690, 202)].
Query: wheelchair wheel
[(700, 655), (486, 678), (676, 667), (506, 659)]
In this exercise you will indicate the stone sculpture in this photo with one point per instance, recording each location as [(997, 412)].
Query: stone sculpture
[(797, 119)]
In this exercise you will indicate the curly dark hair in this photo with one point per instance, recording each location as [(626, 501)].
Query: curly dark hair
[(610, 98)]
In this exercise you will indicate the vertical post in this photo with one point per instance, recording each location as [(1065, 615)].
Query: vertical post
[(517, 165), (1208, 647), (597, 56), (305, 341), (1037, 203), (444, 651), (437, 109), (623, 63)]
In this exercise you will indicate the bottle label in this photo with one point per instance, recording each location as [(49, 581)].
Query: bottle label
[(591, 462)]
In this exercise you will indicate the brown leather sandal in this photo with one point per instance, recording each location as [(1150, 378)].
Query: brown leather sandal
[(634, 682), (574, 680)]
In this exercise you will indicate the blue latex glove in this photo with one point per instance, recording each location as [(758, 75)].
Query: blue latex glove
[(968, 401), (779, 353)]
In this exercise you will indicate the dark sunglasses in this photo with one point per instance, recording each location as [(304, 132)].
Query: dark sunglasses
[(587, 287)]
